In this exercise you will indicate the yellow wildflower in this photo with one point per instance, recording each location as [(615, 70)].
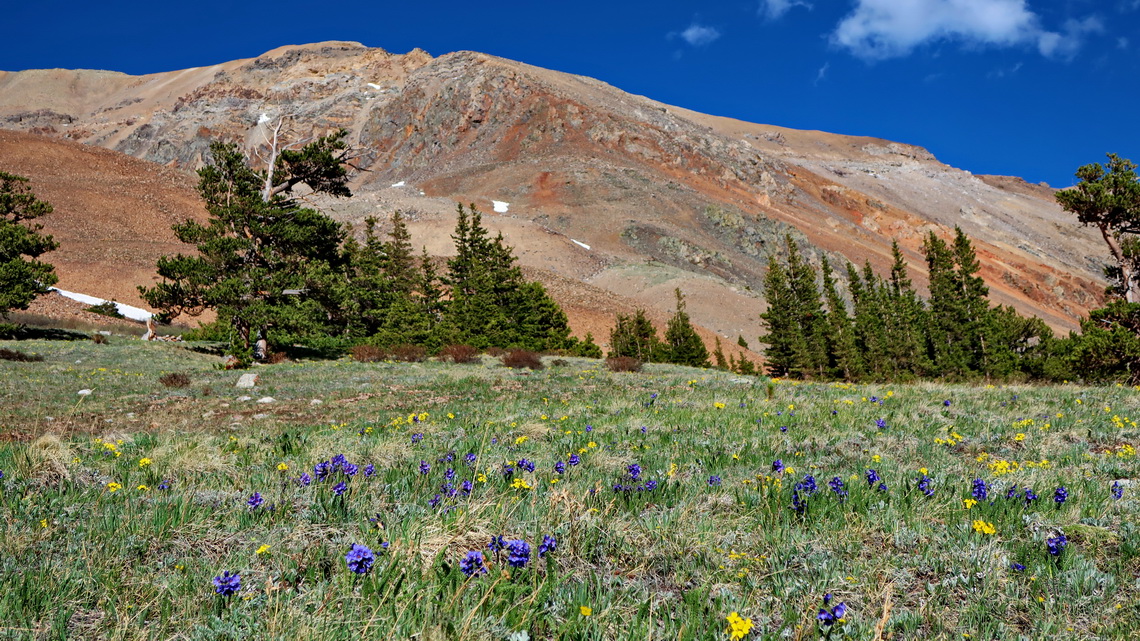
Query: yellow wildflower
[(263, 549), (282, 466), (738, 627), (982, 527), (144, 462), (969, 503), (114, 487), (520, 440), (585, 610)]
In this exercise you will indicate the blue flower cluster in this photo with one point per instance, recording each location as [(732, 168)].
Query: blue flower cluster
[(360, 559), (227, 584)]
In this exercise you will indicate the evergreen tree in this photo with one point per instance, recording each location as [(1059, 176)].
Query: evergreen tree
[(904, 321), (587, 348), (22, 277), (784, 335), (947, 330), (718, 357), (843, 354), (869, 324), (741, 342), (975, 307), (635, 337), (811, 361), (682, 344)]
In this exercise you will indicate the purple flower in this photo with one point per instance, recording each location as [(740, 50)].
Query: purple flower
[(549, 544), (1030, 496), (508, 470), (496, 544), (650, 485), (321, 470), (1061, 495), (417, 437), (574, 460), (798, 504), (880, 423), (832, 616), (435, 500), (925, 485), (1117, 490), (338, 461), (305, 479), (1, 474), (778, 466), (518, 553), (360, 559), (559, 467), (783, 428), (1017, 567), (714, 481), (589, 428), (1056, 545), (634, 471), (349, 469), (473, 564), (470, 458), (227, 584), (255, 501), (836, 485), (981, 490), (524, 464), (425, 467), (807, 485), (164, 485), (340, 488), (873, 477), (369, 469), (466, 487), (449, 474), (946, 403)]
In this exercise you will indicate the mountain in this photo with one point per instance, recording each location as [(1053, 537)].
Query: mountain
[(612, 199)]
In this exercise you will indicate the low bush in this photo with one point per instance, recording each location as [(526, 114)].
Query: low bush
[(21, 357), (459, 354), (106, 308), (100, 339), (369, 354), (623, 364), (409, 353), (520, 358), (496, 351), (176, 380)]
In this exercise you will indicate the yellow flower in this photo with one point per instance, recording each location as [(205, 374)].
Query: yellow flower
[(450, 415), (922, 471), (263, 549), (969, 503), (482, 478), (1020, 436), (282, 466), (719, 406), (982, 527), (738, 627), (142, 488), (43, 523), (591, 444), (114, 487), (520, 440), (520, 484), (585, 610), (876, 458), (144, 462)]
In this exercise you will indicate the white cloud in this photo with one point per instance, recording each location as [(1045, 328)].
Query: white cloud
[(775, 9), (882, 29), (819, 76), (699, 35)]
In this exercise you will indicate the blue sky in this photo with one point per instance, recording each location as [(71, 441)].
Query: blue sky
[(1018, 87)]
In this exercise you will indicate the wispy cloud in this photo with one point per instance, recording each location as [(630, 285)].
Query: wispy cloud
[(699, 35), (1005, 71), (883, 29), (775, 9), (819, 76)]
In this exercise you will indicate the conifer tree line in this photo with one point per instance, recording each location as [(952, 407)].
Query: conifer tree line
[(890, 333), (276, 270)]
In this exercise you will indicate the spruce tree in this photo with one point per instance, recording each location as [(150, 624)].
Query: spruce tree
[(718, 356), (811, 359), (682, 344), (869, 327), (843, 355), (975, 307), (904, 321), (947, 329), (635, 337), (22, 276), (784, 333)]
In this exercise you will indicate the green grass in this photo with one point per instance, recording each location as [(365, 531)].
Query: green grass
[(78, 560)]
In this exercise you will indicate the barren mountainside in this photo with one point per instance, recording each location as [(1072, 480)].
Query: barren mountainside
[(611, 199)]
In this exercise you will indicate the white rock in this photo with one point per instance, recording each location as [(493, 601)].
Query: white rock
[(316, 401), (84, 392), (266, 399), (500, 206), (399, 184), (245, 398), (247, 381)]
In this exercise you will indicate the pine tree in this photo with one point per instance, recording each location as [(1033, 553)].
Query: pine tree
[(868, 324), (947, 330), (904, 321), (718, 356), (974, 305), (682, 344), (784, 334), (635, 337), (741, 342), (812, 356), (843, 355), (22, 276)]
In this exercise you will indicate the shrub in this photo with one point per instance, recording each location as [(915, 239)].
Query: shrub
[(409, 353), (623, 364), (21, 357), (459, 354), (369, 354), (275, 358), (99, 339), (559, 362), (106, 308), (520, 358), (176, 380)]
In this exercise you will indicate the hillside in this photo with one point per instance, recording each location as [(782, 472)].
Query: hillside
[(620, 194)]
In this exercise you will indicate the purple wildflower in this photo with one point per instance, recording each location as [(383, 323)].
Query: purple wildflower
[(255, 501), (1117, 490), (518, 553), (360, 559), (369, 469), (836, 485), (473, 564), (227, 584), (873, 477), (425, 467), (549, 544), (634, 471), (574, 460), (832, 616), (1056, 545), (340, 488), (525, 464), (560, 467), (1061, 495), (305, 479), (981, 490), (778, 466), (714, 481)]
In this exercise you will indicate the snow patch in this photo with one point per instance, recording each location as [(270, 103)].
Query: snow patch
[(399, 184), (580, 244), (264, 118), (133, 313), (374, 85), (500, 206)]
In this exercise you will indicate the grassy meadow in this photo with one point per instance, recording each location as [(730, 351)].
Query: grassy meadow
[(671, 504)]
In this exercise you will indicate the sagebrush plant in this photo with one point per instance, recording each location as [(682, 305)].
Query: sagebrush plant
[(623, 364), (432, 500), (177, 380), (522, 358), (369, 353), (459, 354)]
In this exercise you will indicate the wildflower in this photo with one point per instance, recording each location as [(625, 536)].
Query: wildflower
[(164, 485), (470, 459), (508, 470), (449, 474), (142, 488), (322, 470), (981, 490), (520, 484), (574, 460), (524, 464), (714, 481), (831, 616), (417, 437), (836, 485), (798, 504), (585, 610), (435, 500), (983, 527), (496, 544), (518, 553), (1056, 545), (783, 428), (946, 403), (1061, 495), (1017, 567), (369, 469), (925, 485), (262, 550), (650, 485), (1030, 496), (873, 477), (1117, 489), (549, 544), (522, 439), (1, 474), (738, 627), (114, 487), (425, 467), (473, 564), (282, 466), (144, 462), (227, 584), (778, 466), (807, 485), (305, 479), (360, 559), (591, 444), (559, 467), (969, 503), (881, 424), (340, 488), (634, 471)]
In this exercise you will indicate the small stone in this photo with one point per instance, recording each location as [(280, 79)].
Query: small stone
[(247, 381), (267, 399), (316, 401), (245, 398)]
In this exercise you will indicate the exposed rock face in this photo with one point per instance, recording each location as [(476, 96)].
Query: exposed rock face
[(663, 197)]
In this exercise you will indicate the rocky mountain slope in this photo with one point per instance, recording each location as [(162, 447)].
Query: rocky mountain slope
[(611, 198)]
